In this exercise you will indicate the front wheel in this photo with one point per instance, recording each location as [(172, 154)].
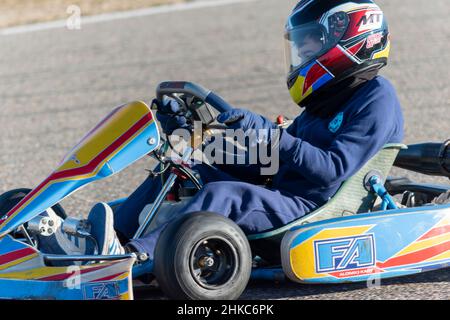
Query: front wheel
[(203, 256)]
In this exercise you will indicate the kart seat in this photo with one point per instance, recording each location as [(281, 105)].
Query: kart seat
[(351, 198)]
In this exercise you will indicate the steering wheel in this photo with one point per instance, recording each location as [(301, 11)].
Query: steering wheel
[(199, 99), (196, 103), (170, 88)]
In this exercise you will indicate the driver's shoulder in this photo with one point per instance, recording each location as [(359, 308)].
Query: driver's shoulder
[(377, 96), (379, 88)]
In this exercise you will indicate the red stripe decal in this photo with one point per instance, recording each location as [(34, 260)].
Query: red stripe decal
[(418, 256), (109, 277), (436, 232), (64, 276), (15, 255), (105, 153)]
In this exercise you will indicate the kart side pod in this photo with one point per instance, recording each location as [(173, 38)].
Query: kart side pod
[(368, 246)]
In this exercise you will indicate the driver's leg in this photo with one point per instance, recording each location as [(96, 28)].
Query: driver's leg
[(255, 209), (126, 217)]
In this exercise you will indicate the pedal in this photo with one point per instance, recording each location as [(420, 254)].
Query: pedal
[(44, 226), (77, 227)]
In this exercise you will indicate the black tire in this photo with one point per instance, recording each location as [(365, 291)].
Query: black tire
[(202, 256), (10, 198)]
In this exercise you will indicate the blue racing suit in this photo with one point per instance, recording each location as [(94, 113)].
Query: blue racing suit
[(316, 156)]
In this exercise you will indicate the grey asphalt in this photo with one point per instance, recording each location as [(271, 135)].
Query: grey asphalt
[(57, 84)]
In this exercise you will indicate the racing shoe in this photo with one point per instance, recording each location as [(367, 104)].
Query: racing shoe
[(59, 242), (102, 230)]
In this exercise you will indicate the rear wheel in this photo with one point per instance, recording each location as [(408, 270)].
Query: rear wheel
[(203, 256)]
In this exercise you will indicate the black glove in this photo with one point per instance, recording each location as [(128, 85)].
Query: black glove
[(169, 115)]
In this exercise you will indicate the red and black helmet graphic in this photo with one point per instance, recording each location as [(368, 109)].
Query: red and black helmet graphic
[(328, 41)]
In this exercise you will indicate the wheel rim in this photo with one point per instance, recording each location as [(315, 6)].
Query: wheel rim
[(213, 262)]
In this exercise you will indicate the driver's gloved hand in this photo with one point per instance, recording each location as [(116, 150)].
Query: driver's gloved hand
[(247, 121), (170, 116)]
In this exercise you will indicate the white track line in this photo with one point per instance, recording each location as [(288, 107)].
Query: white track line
[(121, 15)]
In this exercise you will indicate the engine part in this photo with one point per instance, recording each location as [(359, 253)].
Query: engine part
[(77, 227), (426, 158)]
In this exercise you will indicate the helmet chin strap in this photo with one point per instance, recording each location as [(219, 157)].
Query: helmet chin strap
[(328, 101)]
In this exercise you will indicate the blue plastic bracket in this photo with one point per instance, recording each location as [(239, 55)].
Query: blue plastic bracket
[(376, 184)]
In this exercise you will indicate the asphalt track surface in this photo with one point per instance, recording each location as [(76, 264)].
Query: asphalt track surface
[(56, 84)]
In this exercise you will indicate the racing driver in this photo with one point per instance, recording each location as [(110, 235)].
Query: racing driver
[(334, 51)]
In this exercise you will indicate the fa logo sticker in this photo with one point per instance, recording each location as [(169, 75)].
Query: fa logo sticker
[(344, 253), (101, 291), (336, 123)]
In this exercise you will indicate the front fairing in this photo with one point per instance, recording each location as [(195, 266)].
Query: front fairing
[(24, 274), (127, 134)]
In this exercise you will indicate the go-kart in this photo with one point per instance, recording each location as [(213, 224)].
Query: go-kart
[(362, 232)]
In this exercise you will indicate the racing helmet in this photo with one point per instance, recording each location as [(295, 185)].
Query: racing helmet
[(328, 41)]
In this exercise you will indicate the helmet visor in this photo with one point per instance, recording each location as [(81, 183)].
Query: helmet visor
[(303, 44)]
